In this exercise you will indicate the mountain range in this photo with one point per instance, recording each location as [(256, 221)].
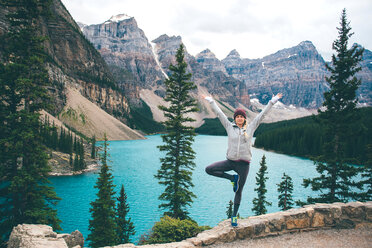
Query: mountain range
[(115, 68), (298, 72)]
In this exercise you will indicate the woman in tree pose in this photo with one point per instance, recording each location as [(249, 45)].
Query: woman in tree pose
[(239, 149)]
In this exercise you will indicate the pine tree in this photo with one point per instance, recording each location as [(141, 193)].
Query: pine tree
[(102, 225), (336, 181), (93, 152), (125, 227), (61, 140), (80, 151), (177, 165), (25, 192), (76, 145), (54, 138), (76, 162), (260, 202), (229, 210), (82, 164), (285, 188)]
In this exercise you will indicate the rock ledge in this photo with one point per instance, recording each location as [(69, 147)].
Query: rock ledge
[(42, 236)]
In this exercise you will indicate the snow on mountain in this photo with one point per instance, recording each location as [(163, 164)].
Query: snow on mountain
[(118, 18)]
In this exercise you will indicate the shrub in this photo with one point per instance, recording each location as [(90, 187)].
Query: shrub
[(171, 230)]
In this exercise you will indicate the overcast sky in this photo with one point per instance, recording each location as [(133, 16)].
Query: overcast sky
[(255, 28)]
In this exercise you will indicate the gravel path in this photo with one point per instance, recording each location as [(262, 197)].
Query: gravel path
[(332, 238)]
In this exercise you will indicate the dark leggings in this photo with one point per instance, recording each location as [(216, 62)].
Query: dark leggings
[(240, 167)]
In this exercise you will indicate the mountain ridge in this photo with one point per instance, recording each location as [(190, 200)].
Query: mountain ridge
[(72, 62), (299, 72)]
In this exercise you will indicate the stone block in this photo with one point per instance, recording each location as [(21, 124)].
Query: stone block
[(258, 224), (354, 210), (318, 220), (365, 226), (222, 233), (245, 230), (345, 224), (275, 222), (326, 214), (298, 218), (226, 234), (195, 241), (259, 229), (368, 206), (207, 237)]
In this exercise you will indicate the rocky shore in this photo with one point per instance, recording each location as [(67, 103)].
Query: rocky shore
[(60, 165)]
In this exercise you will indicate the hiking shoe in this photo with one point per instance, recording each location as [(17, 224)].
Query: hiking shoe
[(235, 183), (234, 221)]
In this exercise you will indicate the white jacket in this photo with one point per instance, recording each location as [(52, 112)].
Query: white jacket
[(240, 139)]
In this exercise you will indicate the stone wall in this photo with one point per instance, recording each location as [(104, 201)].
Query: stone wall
[(307, 218)]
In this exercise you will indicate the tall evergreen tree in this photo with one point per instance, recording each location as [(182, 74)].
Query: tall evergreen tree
[(125, 227), (54, 138), (336, 181), (102, 225), (93, 152), (285, 188), (259, 203), (229, 211), (177, 165), (25, 192), (75, 166)]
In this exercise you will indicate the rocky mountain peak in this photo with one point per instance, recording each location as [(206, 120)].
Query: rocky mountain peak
[(166, 48), (233, 54), (303, 49), (307, 44), (118, 18), (127, 51), (206, 54), (209, 61), (165, 38)]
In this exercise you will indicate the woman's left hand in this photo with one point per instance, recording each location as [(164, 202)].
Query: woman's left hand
[(276, 98)]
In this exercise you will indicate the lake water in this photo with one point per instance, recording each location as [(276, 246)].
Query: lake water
[(134, 164)]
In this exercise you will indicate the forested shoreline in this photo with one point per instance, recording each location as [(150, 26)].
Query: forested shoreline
[(304, 137)]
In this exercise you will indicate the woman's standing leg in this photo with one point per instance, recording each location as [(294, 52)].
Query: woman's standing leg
[(242, 168)]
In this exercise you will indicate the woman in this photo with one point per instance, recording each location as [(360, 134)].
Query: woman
[(239, 149)]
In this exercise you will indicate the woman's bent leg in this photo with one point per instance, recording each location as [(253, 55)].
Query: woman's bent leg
[(218, 169)]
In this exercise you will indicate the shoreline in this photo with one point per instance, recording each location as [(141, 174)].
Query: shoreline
[(90, 168)]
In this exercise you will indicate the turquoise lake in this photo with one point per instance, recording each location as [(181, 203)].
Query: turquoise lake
[(134, 164)]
